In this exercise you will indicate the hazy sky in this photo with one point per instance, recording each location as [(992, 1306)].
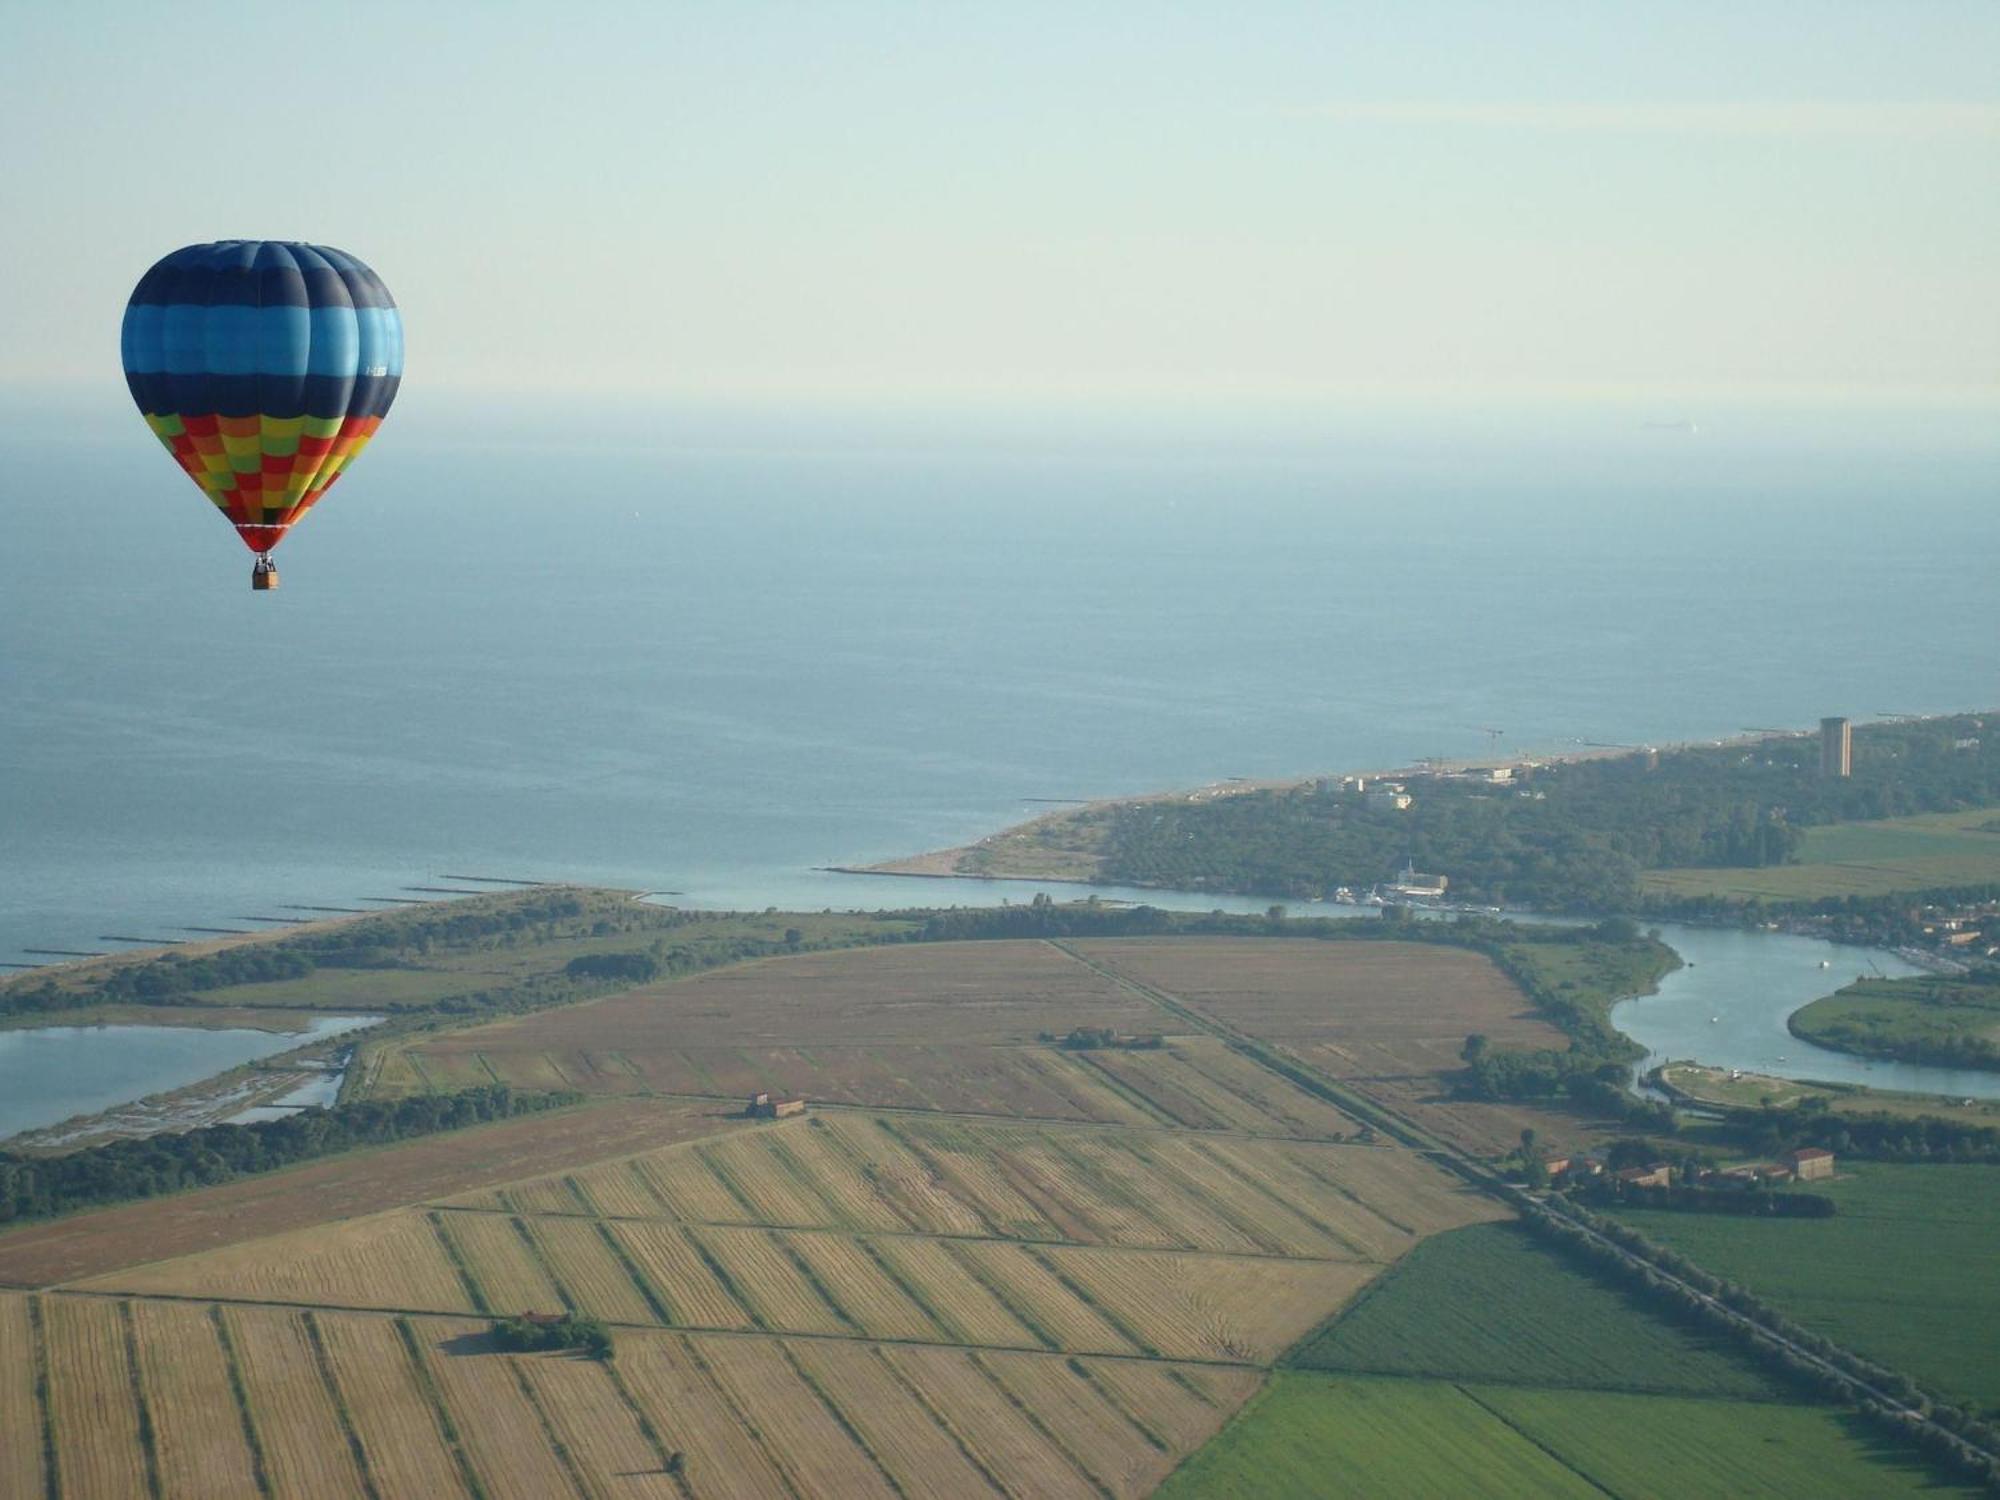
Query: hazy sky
[(1029, 199)]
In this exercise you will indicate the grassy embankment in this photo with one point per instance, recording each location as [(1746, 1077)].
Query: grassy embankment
[(1483, 1367), (1935, 851), (1953, 1023), (1904, 1273)]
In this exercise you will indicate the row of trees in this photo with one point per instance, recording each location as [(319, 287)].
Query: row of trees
[(1772, 1130), (34, 1187), (536, 1335)]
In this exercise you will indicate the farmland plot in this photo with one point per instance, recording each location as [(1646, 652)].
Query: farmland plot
[(814, 1154), (595, 1426), (864, 1291), (20, 1413), (1186, 1402), (1085, 1421), (750, 1167), (802, 1437), (725, 1459), (679, 1277), (508, 1273), (197, 1435), (971, 1314), (90, 1398), (589, 1271), (543, 1195), (763, 1274), (393, 1418), (1202, 1307), (392, 1260), (1039, 1299), (925, 1459), (681, 1180), (905, 1183), (616, 1190), (1025, 1459), (500, 1428), (306, 1452)]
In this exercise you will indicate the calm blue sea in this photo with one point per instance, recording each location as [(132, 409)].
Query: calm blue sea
[(705, 649)]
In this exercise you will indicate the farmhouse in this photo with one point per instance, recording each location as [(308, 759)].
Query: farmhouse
[(766, 1107), (1659, 1174), (1810, 1162)]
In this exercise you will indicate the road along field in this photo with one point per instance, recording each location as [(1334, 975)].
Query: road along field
[(1387, 1019)]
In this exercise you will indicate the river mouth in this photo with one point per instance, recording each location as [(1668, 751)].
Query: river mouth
[(49, 1074)]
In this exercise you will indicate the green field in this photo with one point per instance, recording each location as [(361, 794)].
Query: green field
[(1487, 1304), (1908, 1272), (1754, 1090), (1934, 851), (1931, 1019), (1311, 1435)]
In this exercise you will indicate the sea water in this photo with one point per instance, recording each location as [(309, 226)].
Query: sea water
[(705, 649)]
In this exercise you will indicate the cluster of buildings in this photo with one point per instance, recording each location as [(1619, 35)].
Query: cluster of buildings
[(1807, 1164), (770, 1107)]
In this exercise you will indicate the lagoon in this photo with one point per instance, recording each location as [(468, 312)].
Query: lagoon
[(50, 1073)]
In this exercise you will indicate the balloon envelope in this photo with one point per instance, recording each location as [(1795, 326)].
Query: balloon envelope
[(264, 367)]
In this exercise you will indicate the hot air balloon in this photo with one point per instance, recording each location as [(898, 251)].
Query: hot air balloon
[(264, 367)]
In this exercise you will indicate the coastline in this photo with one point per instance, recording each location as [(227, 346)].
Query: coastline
[(1009, 853)]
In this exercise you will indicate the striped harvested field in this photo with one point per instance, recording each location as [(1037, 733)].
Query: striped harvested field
[(1186, 1404), (866, 1293), (543, 1195), (1026, 1459), (1202, 1307), (595, 1426), (751, 1166), (923, 1457), (500, 1427), (799, 1433), (903, 1182), (91, 1404), (816, 1155), (615, 1190), (508, 1273), (1086, 1421), (1037, 1297), (392, 1416), (725, 1460), (298, 1423), (391, 1260), (682, 1181), (679, 1277), (20, 1413), (590, 1271), (764, 1276), (971, 1313), (197, 1428)]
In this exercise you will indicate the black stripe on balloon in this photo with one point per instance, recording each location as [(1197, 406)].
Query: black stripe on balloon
[(321, 396)]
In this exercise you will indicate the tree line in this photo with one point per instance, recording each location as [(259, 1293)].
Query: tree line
[(33, 1187)]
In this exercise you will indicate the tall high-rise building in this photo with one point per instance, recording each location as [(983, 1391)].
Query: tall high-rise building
[(1836, 747)]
